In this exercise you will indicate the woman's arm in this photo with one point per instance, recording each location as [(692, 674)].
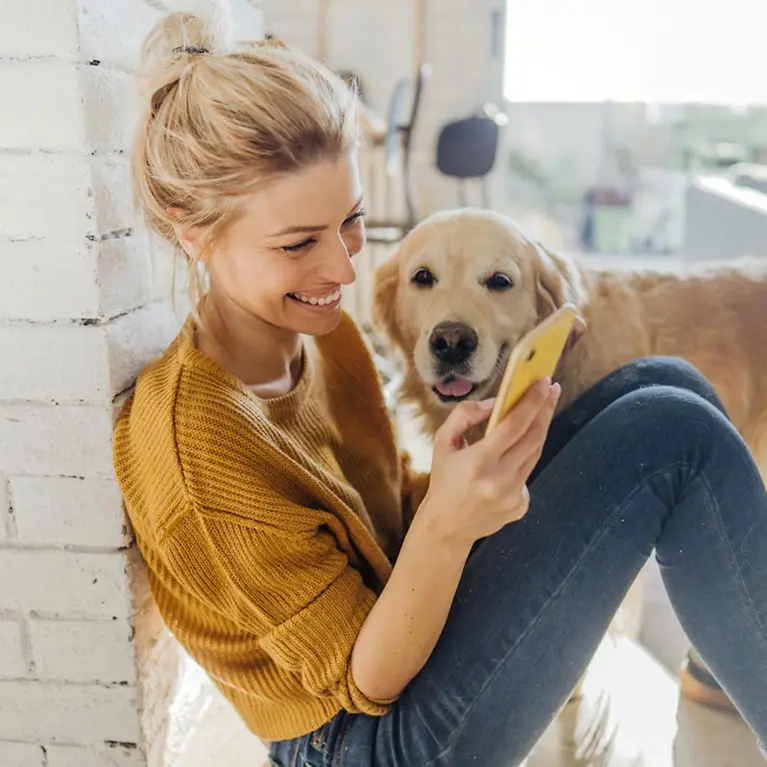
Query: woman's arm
[(403, 626), (473, 492)]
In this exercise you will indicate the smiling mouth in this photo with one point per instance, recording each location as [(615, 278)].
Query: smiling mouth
[(318, 303), (456, 388)]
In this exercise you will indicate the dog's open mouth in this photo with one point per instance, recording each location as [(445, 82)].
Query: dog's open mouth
[(454, 388)]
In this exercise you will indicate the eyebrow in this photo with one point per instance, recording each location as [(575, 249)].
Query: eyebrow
[(299, 229)]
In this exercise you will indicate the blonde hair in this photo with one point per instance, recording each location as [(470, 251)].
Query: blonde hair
[(217, 123)]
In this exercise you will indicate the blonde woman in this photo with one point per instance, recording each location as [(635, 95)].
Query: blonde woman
[(353, 612)]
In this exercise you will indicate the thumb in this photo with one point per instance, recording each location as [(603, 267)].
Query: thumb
[(579, 327), (465, 416)]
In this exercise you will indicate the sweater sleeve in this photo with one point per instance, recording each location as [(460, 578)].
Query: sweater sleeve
[(296, 593)]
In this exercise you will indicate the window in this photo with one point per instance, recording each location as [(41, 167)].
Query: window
[(673, 51)]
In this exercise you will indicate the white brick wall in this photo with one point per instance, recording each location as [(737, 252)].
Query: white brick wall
[(69, 511), (4, 509), (84, 304), (55, 440), (22, 34), (67, 360), (44, 196), (64, 583), (52, 120), (13, 664), (79, 651), (81, 714), (45, 281), (74, 756), (22, 755), (82, 364)]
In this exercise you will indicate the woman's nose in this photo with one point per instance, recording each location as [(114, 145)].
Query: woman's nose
[(338, 264)]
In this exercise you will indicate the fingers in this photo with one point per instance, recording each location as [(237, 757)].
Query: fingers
[(462, 418), (520, 505), (512, 428), (519, 461), (524, 503), (579, 327), (526, 468)]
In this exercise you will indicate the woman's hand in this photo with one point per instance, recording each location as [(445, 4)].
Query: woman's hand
[(475, 490)]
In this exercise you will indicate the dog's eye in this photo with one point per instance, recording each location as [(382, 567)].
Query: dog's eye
[(423, 278), (498, 282)]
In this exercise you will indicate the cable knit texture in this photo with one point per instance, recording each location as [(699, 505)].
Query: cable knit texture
[(267, 525)]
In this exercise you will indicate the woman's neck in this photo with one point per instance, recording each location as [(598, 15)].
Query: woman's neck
[(264, 357)]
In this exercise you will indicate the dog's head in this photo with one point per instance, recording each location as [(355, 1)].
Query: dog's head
[(461, 290)]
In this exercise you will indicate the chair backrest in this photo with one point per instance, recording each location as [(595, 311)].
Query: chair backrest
[(395, 121), (467, 148), (424, 73), (399, 133)]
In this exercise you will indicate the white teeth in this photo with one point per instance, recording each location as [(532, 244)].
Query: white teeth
[(321, 301)]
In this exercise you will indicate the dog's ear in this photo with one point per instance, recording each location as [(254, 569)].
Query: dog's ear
[(549, 283), (385, 285)]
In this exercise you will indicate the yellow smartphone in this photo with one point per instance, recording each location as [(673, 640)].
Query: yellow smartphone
[(533, 358)]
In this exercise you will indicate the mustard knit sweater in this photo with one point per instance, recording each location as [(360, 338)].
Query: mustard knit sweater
[(265, 524)]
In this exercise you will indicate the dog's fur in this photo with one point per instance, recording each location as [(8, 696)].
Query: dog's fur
[(715, 317)]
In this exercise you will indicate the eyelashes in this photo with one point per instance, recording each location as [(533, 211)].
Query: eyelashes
[(352, 220)]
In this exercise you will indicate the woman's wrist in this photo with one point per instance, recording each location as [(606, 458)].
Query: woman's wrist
[(429, 524)]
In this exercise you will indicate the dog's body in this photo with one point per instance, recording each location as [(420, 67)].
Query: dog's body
[(714, 317), (455, 327)]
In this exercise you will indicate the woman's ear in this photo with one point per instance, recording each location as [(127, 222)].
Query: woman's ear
[(189, 237), (549, 283), (189, 240), (385, 286)]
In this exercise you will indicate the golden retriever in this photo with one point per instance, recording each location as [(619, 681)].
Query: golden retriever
[(465, 285)]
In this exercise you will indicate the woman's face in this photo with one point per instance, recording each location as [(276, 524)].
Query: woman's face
[(286, 258)]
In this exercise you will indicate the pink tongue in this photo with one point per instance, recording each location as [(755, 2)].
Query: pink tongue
[(454, 387)]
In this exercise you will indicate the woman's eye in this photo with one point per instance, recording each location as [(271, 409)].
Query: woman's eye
[(299, 246), (306, 244), (423, 278), (499, 282)]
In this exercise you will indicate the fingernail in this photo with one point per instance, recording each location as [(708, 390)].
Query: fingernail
[(487, 404), (556, 391)]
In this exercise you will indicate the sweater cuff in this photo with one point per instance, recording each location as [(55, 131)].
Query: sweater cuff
[(361, 703)]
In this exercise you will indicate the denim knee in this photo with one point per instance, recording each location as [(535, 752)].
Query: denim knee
[(660, 416), (665, 371)]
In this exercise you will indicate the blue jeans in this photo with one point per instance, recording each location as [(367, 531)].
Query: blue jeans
[(646, 460)]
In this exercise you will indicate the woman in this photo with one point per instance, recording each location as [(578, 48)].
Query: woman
[(269, 501)]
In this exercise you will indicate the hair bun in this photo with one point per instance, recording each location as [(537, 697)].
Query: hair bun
[(270, 42), (165, 52), (191, 50), (176, 33)]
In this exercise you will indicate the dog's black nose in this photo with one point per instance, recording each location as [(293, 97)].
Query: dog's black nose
[(453, 342)]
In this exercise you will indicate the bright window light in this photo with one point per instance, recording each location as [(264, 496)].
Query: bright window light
[(668, 51)]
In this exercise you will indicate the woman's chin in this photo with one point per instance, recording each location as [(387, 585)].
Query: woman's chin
[(314, 320)]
